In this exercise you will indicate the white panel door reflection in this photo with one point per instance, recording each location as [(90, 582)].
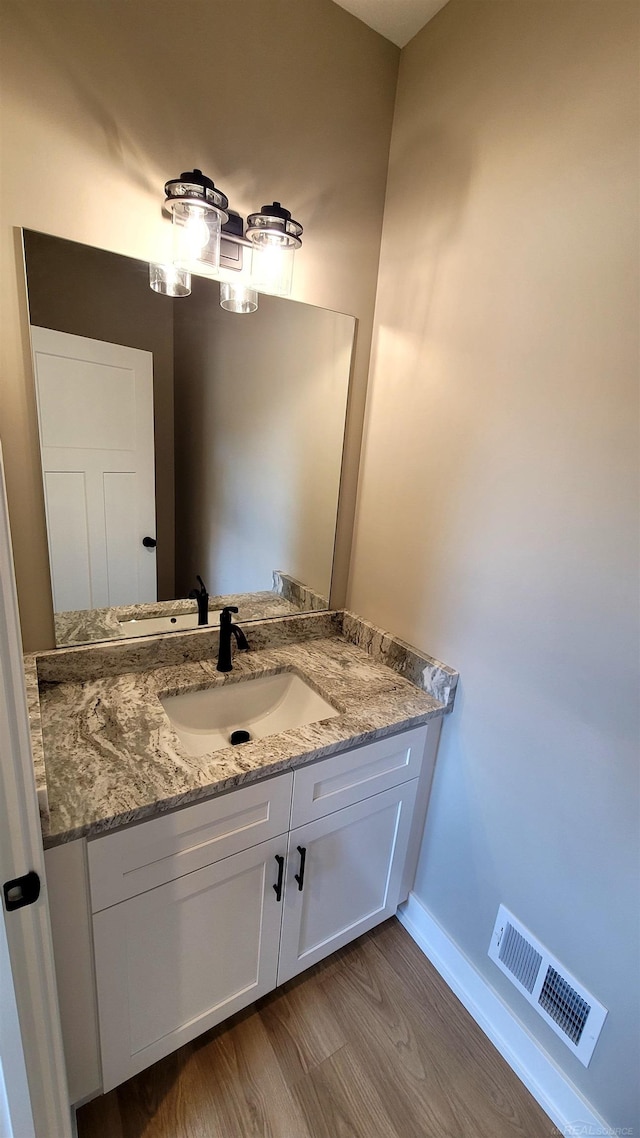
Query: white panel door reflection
[(95, 415)]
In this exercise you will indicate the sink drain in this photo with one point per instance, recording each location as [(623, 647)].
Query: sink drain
[(239, 737)]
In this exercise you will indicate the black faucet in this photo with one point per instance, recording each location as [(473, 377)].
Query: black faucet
[(226, 629), (202, 597)]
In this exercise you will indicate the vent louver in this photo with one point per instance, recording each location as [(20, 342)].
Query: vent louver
[(572, 1012), (563, 1004), (520, 957)]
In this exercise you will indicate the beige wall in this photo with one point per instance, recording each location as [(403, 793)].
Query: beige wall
[(77, 289), (101, 103), (498, 516), (259, 431)]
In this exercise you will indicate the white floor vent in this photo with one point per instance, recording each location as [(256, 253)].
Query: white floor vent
[(567, 1007)]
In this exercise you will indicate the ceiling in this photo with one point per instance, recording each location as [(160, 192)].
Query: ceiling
[(396, 20)]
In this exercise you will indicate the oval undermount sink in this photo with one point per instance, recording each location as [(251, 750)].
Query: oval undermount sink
[(148, 626), (263, 705)]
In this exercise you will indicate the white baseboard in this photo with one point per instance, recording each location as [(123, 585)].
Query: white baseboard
[(550, 1088)]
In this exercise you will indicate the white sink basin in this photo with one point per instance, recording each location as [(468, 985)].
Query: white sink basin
[(147, 626), (204, 720)]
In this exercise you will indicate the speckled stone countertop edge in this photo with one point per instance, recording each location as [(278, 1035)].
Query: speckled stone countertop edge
[(225, 785), (427, 673), (35, 731)]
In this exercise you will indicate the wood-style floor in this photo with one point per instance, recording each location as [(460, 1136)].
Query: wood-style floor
[(369, 1044)]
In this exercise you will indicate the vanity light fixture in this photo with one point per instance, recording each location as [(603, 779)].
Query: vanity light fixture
[(275, 236), (170, 280), (237, 298), (202, 220), (198, 211)]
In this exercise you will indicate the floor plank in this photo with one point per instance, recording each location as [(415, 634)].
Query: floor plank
[(379, 1029), (301, 1026), (246, 1093), (101, 1116), (368, 1044), (453, 1090), (455, 1033), (341, 1101), (156, 1102)]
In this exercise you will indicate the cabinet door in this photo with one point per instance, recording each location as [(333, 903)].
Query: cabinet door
[(180, 958), (353, 863)]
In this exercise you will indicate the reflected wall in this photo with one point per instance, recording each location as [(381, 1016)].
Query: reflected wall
[(249, 423), (260, 405)]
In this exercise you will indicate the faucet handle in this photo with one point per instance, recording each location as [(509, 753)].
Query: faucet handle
[(202, 584), (229, 608)]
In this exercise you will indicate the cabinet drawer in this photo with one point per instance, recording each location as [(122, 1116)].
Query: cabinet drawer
[(340, 780), (142, 857)]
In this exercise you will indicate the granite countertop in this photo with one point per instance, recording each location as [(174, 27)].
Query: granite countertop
[(287, 596), (112, 757), (87, 626)]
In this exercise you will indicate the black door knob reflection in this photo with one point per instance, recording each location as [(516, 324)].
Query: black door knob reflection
[(149, 542)]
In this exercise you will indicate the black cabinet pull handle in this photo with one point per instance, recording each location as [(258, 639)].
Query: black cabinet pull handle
[(149, 542), (278, 885), (300, 876)]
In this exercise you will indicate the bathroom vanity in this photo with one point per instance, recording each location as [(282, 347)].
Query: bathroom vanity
[(207, 836), (186, 882)]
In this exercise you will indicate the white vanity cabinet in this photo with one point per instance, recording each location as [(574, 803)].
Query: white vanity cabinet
[(197, 913), (186, 924)]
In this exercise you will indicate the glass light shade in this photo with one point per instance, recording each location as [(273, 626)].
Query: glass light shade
[(272, 265), (198, 211), (196, 237), (275, 236), (170, 280), (238, 298)]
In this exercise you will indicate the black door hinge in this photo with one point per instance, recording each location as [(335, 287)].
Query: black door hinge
[(21, 891)]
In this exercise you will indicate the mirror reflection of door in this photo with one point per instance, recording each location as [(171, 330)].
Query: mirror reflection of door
[(249, 421), (95, 415)]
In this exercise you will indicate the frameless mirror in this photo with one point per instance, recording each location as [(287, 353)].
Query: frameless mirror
[(181, 441)]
